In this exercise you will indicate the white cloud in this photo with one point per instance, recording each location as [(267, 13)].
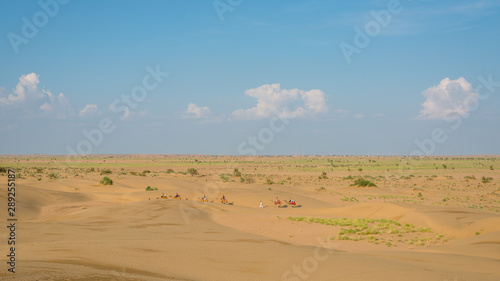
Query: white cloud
[(271, 99), (89, 110), (33, 101), (58, 106), (359, 116), (450, 96), (26, 88), (196, 112)]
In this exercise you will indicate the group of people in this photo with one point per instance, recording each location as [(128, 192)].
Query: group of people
[(223, 199), (163, 196), (278, 202)]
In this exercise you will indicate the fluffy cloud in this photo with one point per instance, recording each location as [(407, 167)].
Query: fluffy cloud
[(89, 110), (196, 112), (27, 88), (28, 97), (271, 99), (450, 96)]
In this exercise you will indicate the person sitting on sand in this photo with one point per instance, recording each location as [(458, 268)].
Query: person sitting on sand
[(223, 198), (163, 195), (276, 201), (204, 198), (177, 195)]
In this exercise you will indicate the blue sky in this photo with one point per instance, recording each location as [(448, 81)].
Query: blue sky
[(250, 77)]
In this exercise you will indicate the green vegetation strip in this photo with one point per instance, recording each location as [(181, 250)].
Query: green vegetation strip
[(378, 231)]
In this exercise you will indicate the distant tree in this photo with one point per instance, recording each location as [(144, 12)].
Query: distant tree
[(192, 171)]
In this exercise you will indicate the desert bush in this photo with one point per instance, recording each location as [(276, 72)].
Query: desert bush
[(133, 173), (323, 176), (491, 167), (249, 179), (146, 172), (169, 171), (236, 173), (362, 182), (106, 181), (3, 170), (269, 180), (53, 176), (192, 171), (149, 188), (224, 178), (39, 170), (106, 172), (470, 177), (486, 180)]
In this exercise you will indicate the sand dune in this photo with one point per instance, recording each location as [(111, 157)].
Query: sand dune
[(76, 229)]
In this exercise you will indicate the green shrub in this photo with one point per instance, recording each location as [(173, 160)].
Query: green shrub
[(106, 172), (106, 181), (192, 171), (169, 171), (362, 182), (269, 180), (486, 180), (224, 178), (149, 188), (3, 170), (236, 173), (323, 176)]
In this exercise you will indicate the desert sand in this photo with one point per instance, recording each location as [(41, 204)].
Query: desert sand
[(432, 218)]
